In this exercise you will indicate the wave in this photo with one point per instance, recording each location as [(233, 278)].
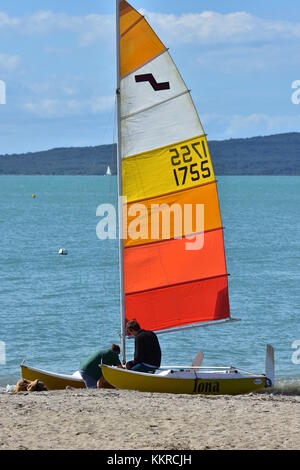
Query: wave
[(285, 386)]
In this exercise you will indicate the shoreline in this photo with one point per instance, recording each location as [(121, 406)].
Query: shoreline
[(121, 419), (284, 385)]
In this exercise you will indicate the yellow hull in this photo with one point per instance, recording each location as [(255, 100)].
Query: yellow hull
[(51, 380), (214, 384)]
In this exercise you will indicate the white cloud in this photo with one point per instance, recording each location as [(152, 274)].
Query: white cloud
[(210, 27), (258, 124), (233, 126), (54, 107), (6, 21), (45, 107), (89, 28), (56, 87), (9, 62), (247, 57), (102, 103)]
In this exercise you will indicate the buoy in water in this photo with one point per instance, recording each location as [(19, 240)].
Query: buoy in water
[(62, 251), (33, 196)]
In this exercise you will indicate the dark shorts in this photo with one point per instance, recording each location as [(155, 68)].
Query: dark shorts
[(140, 367), (89, 381)]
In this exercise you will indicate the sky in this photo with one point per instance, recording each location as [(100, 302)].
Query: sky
[(57, 60)]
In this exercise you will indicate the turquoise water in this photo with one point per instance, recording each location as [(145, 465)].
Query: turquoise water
[(54, 310)]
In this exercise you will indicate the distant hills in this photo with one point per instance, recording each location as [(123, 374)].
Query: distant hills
[(269, 155)]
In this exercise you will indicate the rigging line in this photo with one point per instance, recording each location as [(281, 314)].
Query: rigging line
[(107, 124), (155, 105), (113, 139), (104, 265), (110, 194)]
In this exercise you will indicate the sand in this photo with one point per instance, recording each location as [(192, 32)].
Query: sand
[(118, 419)]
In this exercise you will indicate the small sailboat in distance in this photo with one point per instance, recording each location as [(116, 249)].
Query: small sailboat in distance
[(108, 171)]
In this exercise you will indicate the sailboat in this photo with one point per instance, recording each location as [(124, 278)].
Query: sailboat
[(163, 159), (108, 171), (163, 162)]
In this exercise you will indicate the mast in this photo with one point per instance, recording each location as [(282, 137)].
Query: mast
[(120, 192)]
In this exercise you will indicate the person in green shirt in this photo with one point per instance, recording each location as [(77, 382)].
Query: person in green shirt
[(89, 367)]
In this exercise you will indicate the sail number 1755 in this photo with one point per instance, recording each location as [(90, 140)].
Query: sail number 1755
[(185, 166)]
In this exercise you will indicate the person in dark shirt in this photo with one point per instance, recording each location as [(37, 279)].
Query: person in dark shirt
[(89, 368), (147, 352)]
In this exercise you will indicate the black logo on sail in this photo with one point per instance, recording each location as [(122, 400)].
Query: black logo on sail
[(148, 77)]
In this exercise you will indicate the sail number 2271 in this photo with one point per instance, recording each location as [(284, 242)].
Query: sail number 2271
[(190, 162)]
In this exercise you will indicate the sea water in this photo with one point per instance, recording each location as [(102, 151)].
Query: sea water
[(56, 310)]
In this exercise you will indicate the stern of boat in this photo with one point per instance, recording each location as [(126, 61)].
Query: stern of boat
[(52, 380)]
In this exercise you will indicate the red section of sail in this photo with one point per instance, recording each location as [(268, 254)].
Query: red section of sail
[(180, 305), (169, 262)]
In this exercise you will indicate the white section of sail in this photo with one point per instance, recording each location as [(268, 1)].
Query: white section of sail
[(166, 123), (156, 108), (136, 96)]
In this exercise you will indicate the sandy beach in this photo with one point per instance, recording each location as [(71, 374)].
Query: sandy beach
[(114, 419)]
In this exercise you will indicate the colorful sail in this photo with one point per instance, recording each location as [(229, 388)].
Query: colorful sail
[(165, 162)]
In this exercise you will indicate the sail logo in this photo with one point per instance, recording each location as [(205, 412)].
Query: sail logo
[(2, 92), (296, 353), (142, 223), (2, 353), (296, 95), (148, 77)]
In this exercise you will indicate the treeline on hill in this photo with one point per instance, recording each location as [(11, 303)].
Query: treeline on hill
[(271, 155)]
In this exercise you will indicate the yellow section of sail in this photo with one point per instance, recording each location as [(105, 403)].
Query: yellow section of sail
[(168, 169)]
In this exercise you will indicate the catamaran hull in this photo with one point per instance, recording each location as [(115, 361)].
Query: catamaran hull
[(129, 380), (213, 385), (51, 380)]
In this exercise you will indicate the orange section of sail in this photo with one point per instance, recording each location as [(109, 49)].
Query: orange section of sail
[(169, 262), (128, 16), (138, 42), (160, 208), (180, 305)]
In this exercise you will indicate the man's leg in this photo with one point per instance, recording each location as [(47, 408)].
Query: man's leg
[(103, 384), (89, 381), (140, 367)]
